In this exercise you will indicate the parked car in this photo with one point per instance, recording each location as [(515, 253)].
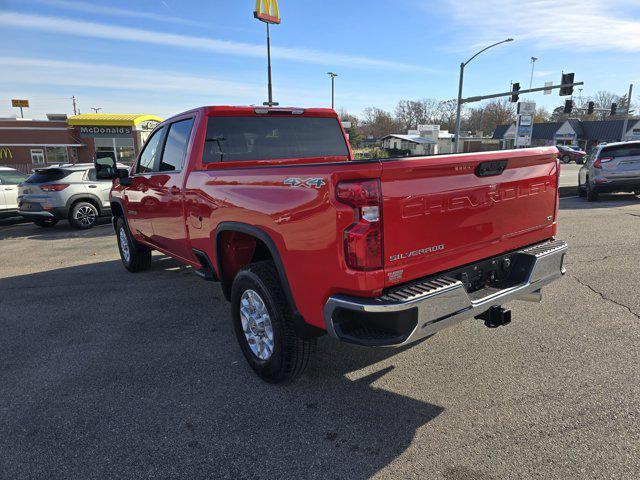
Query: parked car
[(306, 241), (64, 192), (571, 154), (611, 167), (10, 178)]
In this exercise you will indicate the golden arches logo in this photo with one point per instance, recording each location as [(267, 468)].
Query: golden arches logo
[(267, 11), (5, 153)]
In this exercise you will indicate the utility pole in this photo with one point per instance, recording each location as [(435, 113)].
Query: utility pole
[(73, 100), (626, 118), (533, 65), (269, 86), (333, 76), (459, 104)]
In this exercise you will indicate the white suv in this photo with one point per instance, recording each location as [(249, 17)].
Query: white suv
[(10, 178)]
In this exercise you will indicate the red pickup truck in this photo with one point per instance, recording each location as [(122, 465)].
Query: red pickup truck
[(305, 240)]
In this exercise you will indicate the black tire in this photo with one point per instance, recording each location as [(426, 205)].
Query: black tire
[(579, 161), (46, 222), (290, 353), (138, 257), (566, 159), (83, 215), (592, 195), (581, 191)]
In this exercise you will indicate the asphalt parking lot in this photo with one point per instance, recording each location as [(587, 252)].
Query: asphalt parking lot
[(105, 374)]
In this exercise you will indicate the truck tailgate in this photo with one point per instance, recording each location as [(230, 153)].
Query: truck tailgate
[(442, 212)]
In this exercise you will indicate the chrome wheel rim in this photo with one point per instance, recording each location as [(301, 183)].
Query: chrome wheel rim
[(256, 324), (85, 216), (124, 245)]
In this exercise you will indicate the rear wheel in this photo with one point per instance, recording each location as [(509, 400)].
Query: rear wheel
[(592, 195), (46, 222), (83, 215), (566, 159), (263, 323), (135, 257)]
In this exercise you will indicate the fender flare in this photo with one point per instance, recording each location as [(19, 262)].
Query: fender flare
[(85, 196), (302, 328), (120, 203)]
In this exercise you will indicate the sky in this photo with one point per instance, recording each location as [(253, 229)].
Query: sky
[(168, 56)]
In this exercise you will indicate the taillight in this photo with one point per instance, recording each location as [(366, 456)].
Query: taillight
[(54, 187), (363, 239), (598, 163)]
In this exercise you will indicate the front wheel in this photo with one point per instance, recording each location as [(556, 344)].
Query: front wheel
[(566, 159), (135, 257), (263, 323)]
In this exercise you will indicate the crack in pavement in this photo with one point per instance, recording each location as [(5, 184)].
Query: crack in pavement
[(604, 297)]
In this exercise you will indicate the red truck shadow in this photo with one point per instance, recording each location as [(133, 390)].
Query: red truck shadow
[(108, 374)]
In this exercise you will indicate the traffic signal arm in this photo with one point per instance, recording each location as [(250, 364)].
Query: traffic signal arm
[(519, 92)]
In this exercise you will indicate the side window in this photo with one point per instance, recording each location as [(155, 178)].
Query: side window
[(175, 148), (91, 175), (11, 178), (150, 153)]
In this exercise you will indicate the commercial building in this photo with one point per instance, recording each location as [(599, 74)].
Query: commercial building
[(583, 133), (29, 144), (425, 140)]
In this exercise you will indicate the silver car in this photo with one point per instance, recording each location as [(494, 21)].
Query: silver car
[(611, 167), (64, 192)]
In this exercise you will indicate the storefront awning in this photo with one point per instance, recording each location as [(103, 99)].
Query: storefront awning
[(112, 119)]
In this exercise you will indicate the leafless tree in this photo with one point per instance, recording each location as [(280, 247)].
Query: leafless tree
[(410, 113), (378, 123)]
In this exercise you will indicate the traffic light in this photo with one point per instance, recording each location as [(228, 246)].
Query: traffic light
[(614, 107), (566, 78), (568, 106), (515, 88), (590, 107)]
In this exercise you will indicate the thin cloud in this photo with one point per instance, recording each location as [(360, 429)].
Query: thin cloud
[(112, 32), (25, 71), (549, 24), (98, 9)]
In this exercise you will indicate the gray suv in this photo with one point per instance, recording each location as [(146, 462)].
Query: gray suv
[(64, 192), (611, 167)]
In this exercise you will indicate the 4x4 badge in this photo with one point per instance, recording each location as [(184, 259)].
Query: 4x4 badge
[(309, 182)]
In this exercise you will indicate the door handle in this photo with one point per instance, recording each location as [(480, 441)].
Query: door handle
[(93, 186), (174, 191)]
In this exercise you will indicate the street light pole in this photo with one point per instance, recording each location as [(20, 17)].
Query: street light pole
[(333, 76), (533, 65), (626, 118), (459, 104)]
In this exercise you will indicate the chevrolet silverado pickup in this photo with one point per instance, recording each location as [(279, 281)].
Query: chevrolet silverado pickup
[(305, 240)]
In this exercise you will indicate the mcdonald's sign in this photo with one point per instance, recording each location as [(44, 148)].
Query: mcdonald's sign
[(267, 11), (5, 153)]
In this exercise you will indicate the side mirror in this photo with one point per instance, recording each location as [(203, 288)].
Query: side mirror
[(106, 168)]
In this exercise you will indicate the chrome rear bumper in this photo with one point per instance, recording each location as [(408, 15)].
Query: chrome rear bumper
[(423, 308)]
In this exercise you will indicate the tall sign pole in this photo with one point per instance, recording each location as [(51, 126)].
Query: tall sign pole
[(267, 11)]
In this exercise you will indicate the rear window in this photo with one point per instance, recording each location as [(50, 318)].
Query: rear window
[(233, 139), (621, 151), (48, 175)]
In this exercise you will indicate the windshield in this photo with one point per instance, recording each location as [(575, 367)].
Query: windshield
[(243, 138)]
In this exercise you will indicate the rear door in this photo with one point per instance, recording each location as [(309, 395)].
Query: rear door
[(441, 212), (98, 188), (621, 162), (9, 180)]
